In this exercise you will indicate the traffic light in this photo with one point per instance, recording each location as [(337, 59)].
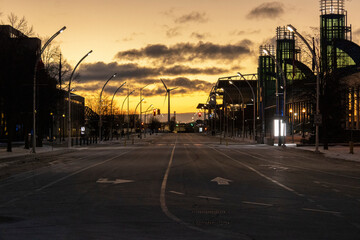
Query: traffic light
[(154, 112), (199, 114), (158, 111)]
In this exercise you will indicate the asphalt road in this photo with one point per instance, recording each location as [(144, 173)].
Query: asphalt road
[(183, 186)]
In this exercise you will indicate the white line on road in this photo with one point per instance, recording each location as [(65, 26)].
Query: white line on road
[(61, 179), (212, 198), (320, 211), (262, 175), (257, 203), (178, 193)]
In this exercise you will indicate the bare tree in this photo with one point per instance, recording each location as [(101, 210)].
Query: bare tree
[(20, 24)]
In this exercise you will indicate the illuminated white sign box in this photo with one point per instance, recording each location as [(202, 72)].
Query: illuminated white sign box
[(282, 126)]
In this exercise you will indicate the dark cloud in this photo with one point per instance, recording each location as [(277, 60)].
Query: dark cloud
[(184, 86), (102, 71), (199, 36), (183, 52), (269, 10), (173, 32), (192, 17), (242, 32)]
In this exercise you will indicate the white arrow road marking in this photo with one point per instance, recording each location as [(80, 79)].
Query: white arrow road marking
[(221, 181), (117, 181)]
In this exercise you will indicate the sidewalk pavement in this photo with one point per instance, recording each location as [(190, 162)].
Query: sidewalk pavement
[(19, 150), (339, 151)]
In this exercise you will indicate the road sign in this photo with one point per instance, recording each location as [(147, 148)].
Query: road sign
[(318, 119)]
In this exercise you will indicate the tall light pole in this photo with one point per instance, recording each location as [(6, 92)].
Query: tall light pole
[(127, 96), (254, 99), (141, 103), (111, 109), (242, 108), (69, 98), (135, 114), (100, 122), (38, 57), (148, 109), (317, 67), (282, 74)]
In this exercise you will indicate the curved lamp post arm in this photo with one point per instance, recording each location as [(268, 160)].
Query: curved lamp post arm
[(115, 94), (254, 101), (72, 73), (138, 105), (52, 38), (69, 98), (114, 75), (125, 100), (34, 87), (293, 29)]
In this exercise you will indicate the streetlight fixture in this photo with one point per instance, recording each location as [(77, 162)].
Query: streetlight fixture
[(303, 125), (318, 116), (242, 108), (135, 114), (253, 94), (282, 74), (147, 110), (141, 103), (69, 98), (100, 122), (38, 57), (127, 97), (111, 109)]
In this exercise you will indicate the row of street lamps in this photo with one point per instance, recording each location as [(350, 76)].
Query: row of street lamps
[(69, 95), (282, 74)]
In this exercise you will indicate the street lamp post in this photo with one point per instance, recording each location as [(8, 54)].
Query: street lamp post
[(292, 124), (141, 105), (148, 109), (282, 74), (242, 108), (317, 67), (111, 109), (69, 98), (100, 122), (129, 93), (135, 114), (254, 99), (38, 57), (303, 123)]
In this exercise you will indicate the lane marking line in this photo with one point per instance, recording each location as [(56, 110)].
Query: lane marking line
[(166, 211), (61, 179), (320, 211), (178, 193), (257, 203), (261, 174), (212, 198)]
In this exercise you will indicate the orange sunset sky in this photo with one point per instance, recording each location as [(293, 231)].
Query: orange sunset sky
[(188, 43)]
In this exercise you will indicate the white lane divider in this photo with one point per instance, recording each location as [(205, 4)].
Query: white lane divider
[(178, 193), (211, 198), (257, 203), (321, 211)]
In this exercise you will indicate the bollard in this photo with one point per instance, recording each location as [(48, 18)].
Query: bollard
[(351, 145), (125, 142), (132, 141), (227, 143)]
